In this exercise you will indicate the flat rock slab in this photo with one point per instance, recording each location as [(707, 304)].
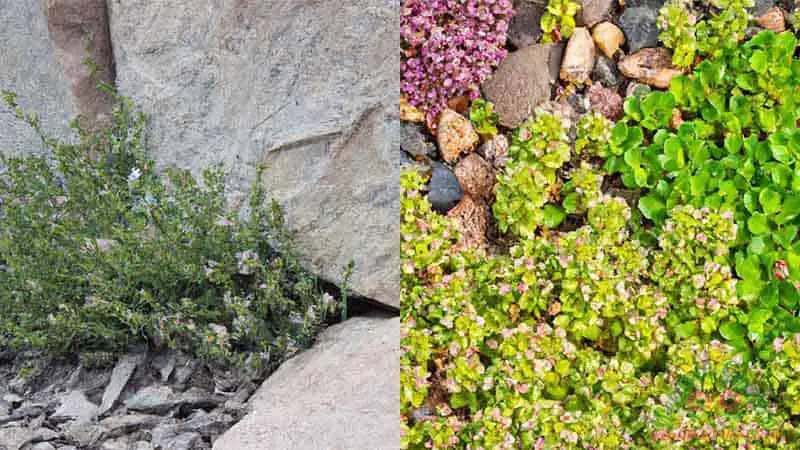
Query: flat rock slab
[(342, 394), (308, 87)]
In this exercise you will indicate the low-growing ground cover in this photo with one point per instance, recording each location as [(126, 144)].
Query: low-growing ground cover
[(99, 251), (641, 287)]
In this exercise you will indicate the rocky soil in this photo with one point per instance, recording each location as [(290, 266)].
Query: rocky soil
[(146, 400)]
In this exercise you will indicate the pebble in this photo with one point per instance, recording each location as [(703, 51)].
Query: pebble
[(608, 38), (772, 20), (525, 28), (455, 135), (576, 67), (639, 26), (606, 72), (652, 66), (413, 140), (475, 176), (472, 221), (594, 11), (444, 190)]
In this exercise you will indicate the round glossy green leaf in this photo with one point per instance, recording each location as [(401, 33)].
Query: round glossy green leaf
[(652, 207), (758, 224), (770, 200), (732, 331), (553, 216)]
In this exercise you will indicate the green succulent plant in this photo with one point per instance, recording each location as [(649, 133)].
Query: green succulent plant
[(558, 20), (527, 186), (484, 118)]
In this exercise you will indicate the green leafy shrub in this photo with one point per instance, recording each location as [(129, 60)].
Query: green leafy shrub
[(689, 34), (735, 152), (558, 20), (528, 182), (98, 250)]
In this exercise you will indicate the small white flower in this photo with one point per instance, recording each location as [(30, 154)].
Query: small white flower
[(135, 174)]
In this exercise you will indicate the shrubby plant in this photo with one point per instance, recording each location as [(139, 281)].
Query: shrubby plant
[(448, 48), (99, 250), (592, 134), (483, 118), (690, 34), (527, 184), (735, 152)]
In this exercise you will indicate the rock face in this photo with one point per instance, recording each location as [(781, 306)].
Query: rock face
[(307, 87), (341, 394), (70, 23), (33, 72), (522, 81)]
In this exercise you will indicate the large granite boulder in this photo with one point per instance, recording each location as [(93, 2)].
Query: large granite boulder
[(343, 393), (28, 67), (307, 87)]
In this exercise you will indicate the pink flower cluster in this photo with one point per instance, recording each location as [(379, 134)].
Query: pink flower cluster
[(448, 47)]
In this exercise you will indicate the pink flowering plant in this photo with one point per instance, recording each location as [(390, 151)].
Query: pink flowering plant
[(447, 49)]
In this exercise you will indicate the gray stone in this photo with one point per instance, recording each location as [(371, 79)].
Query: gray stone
[(342, 393), (28, 66), (43, 446), (119, 379), (307, 87), (653, 4), (760, 7), (208, 424), (160, 399), (184, 441), (68, 447), (116, 426), (444, 190), (413, 140), (116, 444), (594, 11), (639, 26), (14, 438), (14, 400), (75, 406), (522, 81), (142, 445), (605, 72), (525, 28), (165, 363)]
